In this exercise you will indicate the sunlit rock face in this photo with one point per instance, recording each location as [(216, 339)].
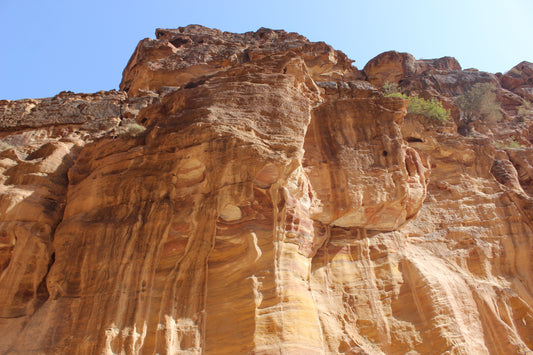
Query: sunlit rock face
[(273, 202)]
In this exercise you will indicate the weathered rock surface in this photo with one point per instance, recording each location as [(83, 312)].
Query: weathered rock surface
[(276, 203), (392, 66), (179, 56)]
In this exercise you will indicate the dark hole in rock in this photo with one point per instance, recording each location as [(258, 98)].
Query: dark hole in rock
[(414, 139), (193, 84), (178, 42)]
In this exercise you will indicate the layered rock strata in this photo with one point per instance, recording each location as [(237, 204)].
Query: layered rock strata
[(274, 201)]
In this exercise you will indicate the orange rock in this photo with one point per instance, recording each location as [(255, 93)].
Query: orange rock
[(393, 66), (177, 57), (520, 75), (251, 193)]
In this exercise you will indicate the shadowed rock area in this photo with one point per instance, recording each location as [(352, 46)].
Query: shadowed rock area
[(257, 193)]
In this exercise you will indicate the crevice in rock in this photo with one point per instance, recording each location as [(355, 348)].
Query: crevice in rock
[(194, 83), (414, 140), (180, 41), (120, 112), (523, 176), (245, 57), (505, 173), (42, 291), (43, 294)]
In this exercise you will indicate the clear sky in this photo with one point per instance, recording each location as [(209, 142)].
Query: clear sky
[(47, 46)]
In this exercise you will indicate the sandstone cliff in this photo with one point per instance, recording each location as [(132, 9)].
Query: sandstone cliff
[(274, 201)]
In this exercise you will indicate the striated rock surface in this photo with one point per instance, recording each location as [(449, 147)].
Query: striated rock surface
[(274, 201)]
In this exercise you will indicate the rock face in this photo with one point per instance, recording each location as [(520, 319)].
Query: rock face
[(274, 201), (392, 66)]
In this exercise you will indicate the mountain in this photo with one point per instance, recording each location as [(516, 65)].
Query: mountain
[(257, 193)]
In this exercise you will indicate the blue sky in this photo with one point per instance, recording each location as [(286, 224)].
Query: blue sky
[(83, 46)]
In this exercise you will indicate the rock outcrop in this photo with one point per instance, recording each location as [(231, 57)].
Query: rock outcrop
[(256, 193)]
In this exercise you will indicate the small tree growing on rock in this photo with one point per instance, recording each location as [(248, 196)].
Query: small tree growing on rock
[(478, 104)]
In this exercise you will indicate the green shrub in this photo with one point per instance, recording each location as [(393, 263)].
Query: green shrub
[(397, 94), (392, 90), (510, 143), (479, 103), (431, 109), (134, 130)]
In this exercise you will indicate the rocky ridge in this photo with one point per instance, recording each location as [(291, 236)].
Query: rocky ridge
[(273, 201)]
